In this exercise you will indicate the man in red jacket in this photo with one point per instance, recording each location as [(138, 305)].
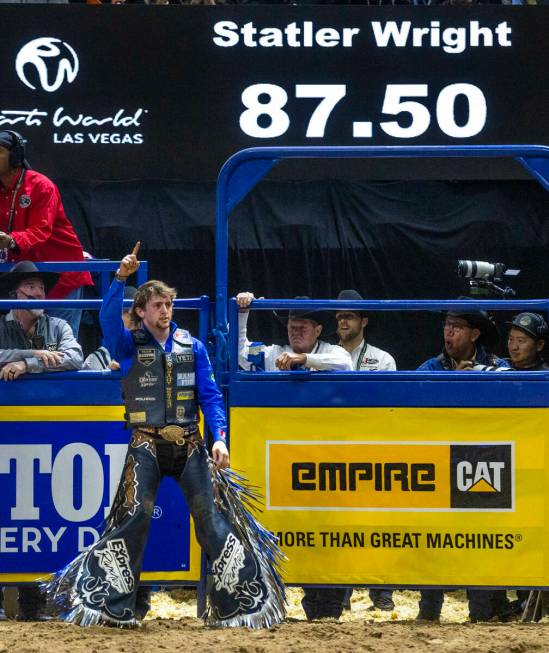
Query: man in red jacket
[(33, 224)]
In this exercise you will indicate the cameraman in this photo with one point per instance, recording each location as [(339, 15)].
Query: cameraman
[(525, 342), (468, 337)]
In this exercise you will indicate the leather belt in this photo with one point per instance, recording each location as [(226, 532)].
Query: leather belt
[(170, 433)]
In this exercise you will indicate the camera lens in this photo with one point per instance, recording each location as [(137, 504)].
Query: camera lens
[(475, 269), (464, 269)]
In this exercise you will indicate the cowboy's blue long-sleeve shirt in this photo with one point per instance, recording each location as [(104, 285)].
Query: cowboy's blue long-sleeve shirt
[(119, 341), (436, 363)]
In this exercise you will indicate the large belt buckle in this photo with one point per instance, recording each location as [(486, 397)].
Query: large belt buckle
[(172, 433)]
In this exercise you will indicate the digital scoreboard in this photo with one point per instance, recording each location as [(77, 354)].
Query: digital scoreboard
[(172, 92)]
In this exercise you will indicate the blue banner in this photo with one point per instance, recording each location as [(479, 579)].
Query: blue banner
[(59, 470)]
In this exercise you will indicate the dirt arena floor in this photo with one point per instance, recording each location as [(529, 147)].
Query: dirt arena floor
[(172, 626)]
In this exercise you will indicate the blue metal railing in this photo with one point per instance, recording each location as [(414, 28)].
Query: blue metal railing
[(434, 305), (104, 267), (201, 304)]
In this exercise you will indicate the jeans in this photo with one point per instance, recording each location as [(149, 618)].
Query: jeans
[(483, 604), (70, 315), (30, 601), (319, 603), (430, 604), (377, 594)]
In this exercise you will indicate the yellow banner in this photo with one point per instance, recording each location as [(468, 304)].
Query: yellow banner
[(401, 496)]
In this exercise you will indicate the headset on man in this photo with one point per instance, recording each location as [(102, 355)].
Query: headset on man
[(17, 149)]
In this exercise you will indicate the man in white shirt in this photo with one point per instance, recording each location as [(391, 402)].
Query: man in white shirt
[(304, 350), (366, 358), (350, 329)]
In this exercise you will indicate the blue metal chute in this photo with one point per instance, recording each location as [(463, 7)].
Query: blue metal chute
[(244, 177), (538, 167), (242, 171)]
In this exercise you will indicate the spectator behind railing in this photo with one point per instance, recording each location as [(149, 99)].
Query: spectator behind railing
[(31, 342), (101, 359), (304, 351), (351, 326), (469, 335), (526, 339), (33, 224)]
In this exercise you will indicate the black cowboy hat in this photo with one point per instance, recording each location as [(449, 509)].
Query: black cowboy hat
[(532, 324), (480, 320), (25, 270), (325, 318)]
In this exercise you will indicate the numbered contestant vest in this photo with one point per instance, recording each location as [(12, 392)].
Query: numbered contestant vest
[(160, 387)]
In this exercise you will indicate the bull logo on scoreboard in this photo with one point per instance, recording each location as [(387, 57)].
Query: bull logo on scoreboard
[(46, 61)]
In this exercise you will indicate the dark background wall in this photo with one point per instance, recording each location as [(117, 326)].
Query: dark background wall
[(388, 240)]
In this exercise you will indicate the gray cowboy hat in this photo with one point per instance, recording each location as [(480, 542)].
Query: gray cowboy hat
[(325, 318), (350, 295), (25, 270)]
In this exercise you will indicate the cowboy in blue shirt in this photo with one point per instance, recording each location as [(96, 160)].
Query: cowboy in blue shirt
[(166, 376), (468, 337), (155, 317)]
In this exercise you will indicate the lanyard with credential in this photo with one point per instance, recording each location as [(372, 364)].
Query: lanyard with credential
[(362, 352), (14, 197)]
